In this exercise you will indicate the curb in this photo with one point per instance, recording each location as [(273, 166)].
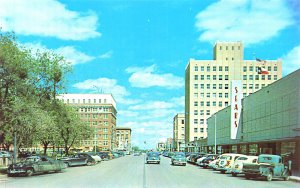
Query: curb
[(295, 179)]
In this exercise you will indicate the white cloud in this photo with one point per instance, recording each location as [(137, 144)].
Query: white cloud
[(249, 21), (180, 101), (106, 55), (128, 113), (144, 77), (152, 105), (291, 61), (70, 53), (48, 18), (104, 85)]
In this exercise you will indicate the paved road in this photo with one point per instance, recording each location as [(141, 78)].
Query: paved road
[(132, 172)]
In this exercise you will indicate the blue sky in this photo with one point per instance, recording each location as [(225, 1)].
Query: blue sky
[(138, 49)]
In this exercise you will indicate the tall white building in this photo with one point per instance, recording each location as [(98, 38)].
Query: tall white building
[(178, 132), (208, 83)]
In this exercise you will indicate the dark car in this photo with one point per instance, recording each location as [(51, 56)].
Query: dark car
[(205, 162), (153, 157), (104, 155), (35, 164), (78, 159)]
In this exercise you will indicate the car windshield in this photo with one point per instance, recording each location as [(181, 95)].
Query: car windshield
[(266, 159), (241, 158), (225, 157), (153, 154)]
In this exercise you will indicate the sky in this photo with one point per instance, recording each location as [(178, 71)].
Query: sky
[(138, 49)]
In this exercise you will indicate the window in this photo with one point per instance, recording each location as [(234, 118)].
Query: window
[(226, 47), (220, 86), (226, 86), (250, 77), (202, 68), (244, 69), (99, 100), (226, 104), (220, 47), (105, 136), (208, 86), (232, 59), (226, 68), (214, 103), (269, 77), (208, 95), (195, 130), (208, 112), (214, 77), (220, 68), (201, 121), (220, 77), (195, 138), (195, 86), (214, 95), (195, 121), (250, 86), (226, 77), (195, 77), (275, 77), (226, 95), (251, 68), (196, 103), (220, 103), (220, 95), (269, 68), (256, 86), (263, 85), (201, 130), (196, 68), (214, 68), (208, 69), (208, 77), (89, 100), (244, 77), (201, 113), (207, 103), (232, 48), (105, 130), (214, 86), (83, 100), (182, 121), (202, 103), (263, 77), (202, 77), (195, 95), (201, 95), (202, 86), (256, 77), (244, 94), (275, 68), (195, 112)]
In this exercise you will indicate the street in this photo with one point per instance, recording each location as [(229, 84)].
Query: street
[(131, 171)]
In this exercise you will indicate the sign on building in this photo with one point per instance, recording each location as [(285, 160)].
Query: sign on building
[(236, 106)]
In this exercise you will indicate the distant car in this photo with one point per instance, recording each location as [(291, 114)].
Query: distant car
[(5, 154), (178, 159), (153, 157), (136, 153), (237, 167), (35, 164)]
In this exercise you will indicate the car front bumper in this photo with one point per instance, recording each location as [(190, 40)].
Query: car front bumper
[(16, 171)]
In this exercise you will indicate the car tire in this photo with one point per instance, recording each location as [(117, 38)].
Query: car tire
[(269, 176), (158, 162), (222, 172), (10, 175), (233, 174), (89, 163), (184, 164), (204, 167), (29, 172), (247, 176)]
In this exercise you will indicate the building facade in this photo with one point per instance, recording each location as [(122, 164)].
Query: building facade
[(178, 132), (123, 140), (208, 83), (99, 112), (270, 122)]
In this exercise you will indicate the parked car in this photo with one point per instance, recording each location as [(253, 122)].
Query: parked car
[(193, 157), (78, 159), (204, 161), (178, 159), (153, 157), (5, 154), (213, 164), (226, 162), (35, 164), (104, 156), (96, 157), (269, 167), (237, 167)]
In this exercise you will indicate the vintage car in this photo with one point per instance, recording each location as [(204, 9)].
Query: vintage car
[(237, 167), (269, 167), (207, 159), (178, 159), (35, 164), (95, 156), (226, 162), (153, 157), (78, 159), (213, 164)]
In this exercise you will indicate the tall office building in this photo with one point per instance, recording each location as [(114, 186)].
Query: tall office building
[(123, 141), (208, 83), (99, 112), (178, 132)]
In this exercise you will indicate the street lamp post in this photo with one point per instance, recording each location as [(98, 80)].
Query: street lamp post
[(215, 133)]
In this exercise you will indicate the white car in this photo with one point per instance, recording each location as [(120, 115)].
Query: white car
[(237, 167), (226, 162), (96, 157), (214, 164)]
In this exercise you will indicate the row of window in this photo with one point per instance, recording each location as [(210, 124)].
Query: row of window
[(251, 68), (94, 142), (94, 116), (94, 109), (214, 95), (201, 112), (232, 48), (208, 77), (95, 101), (209, 86), (105, 123), (201, 130), (259, 77), (213, 103), (195, 138), (213, 68)]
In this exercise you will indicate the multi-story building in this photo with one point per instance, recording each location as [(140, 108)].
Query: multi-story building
[(161, 146), (178, 132), (123, 140), (99, 112), (208, 83)]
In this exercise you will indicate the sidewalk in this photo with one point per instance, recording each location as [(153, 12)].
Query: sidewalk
[(296, 176)]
